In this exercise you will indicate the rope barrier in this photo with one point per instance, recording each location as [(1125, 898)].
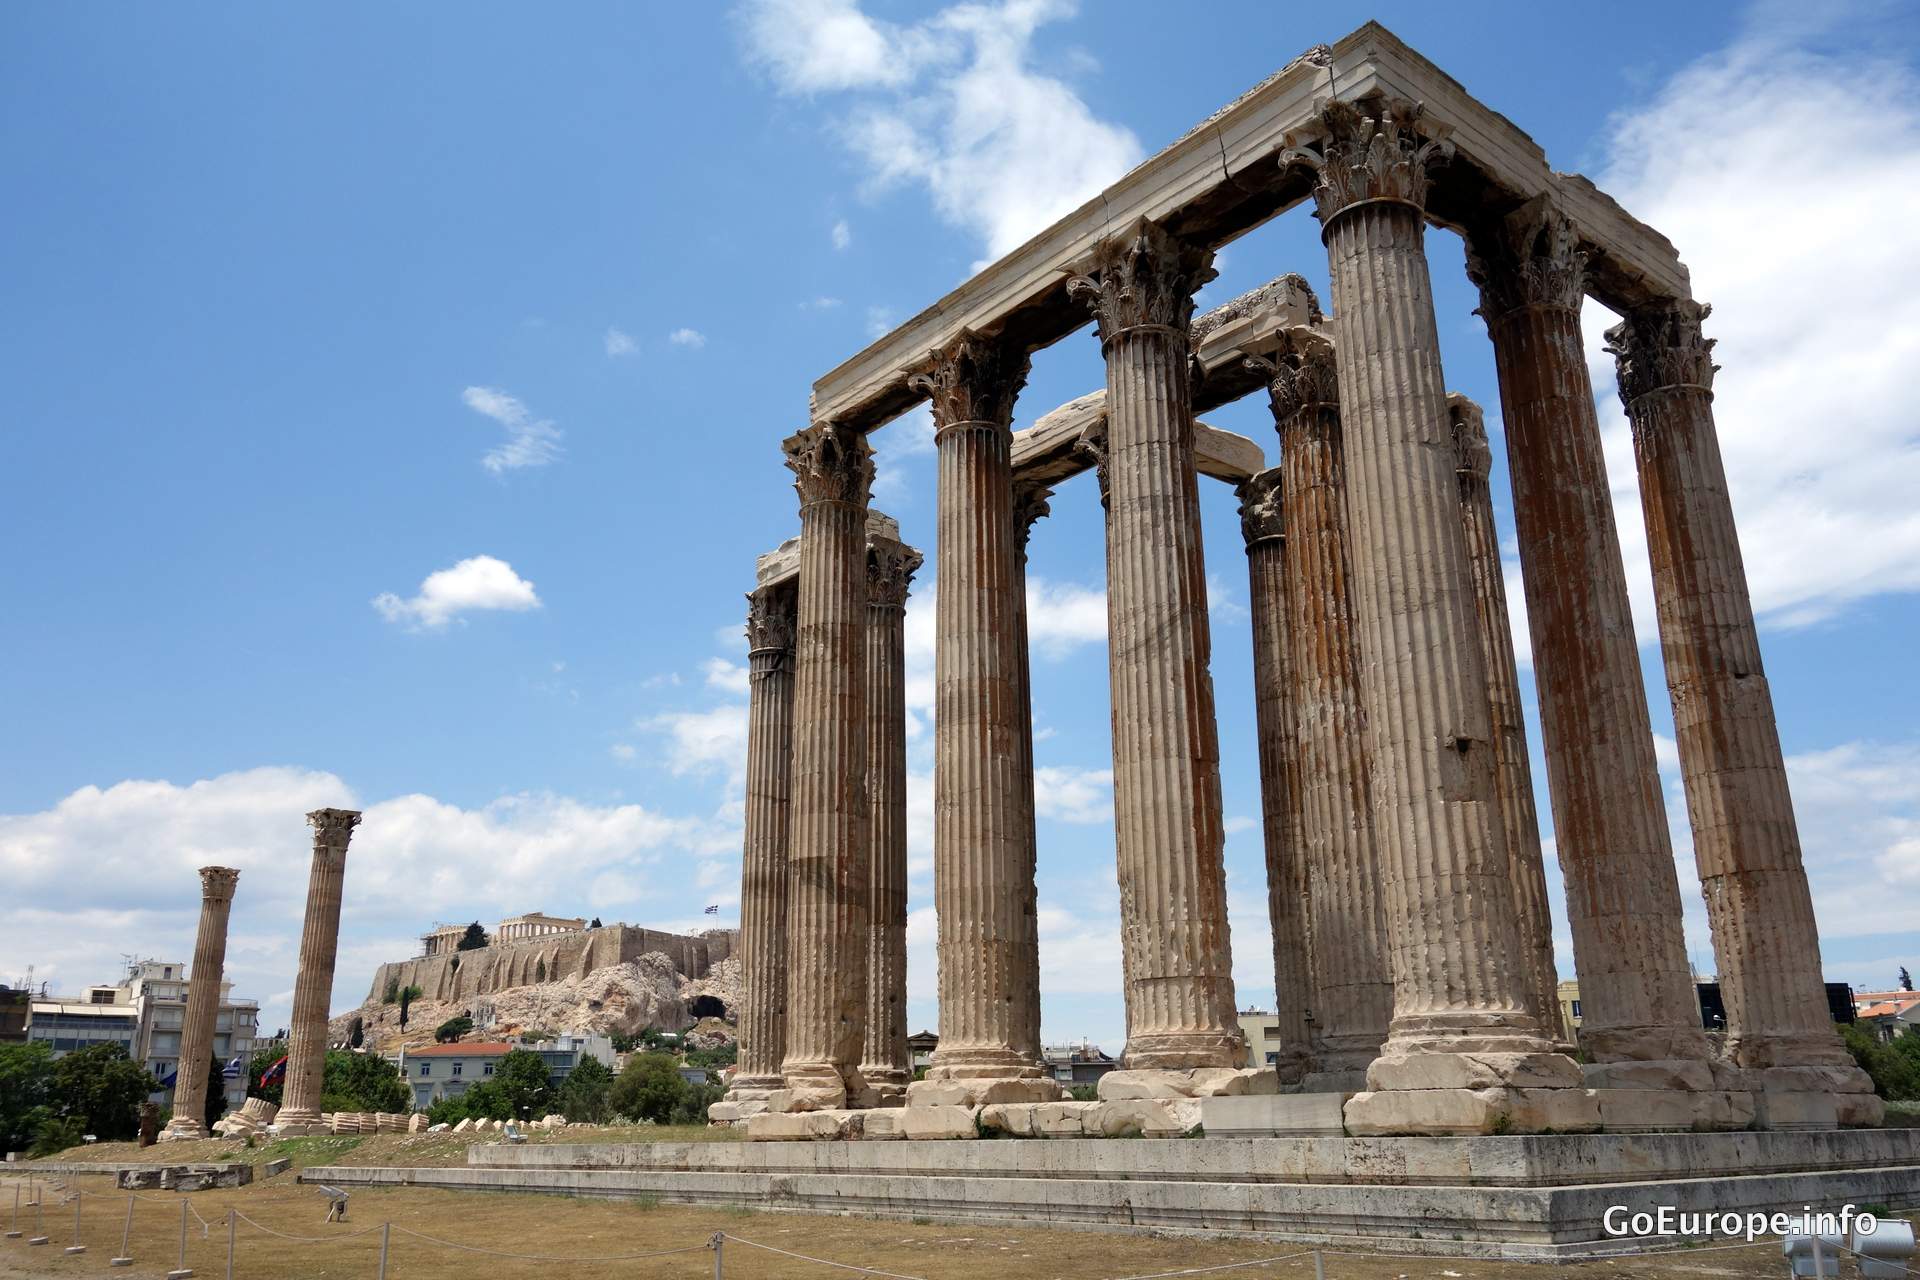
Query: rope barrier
[(1224, 1266), (546, 1257), (844, 1266), (350, 1235)]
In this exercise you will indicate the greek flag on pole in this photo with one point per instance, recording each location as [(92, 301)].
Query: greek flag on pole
[(232, 1070), (714, 910)]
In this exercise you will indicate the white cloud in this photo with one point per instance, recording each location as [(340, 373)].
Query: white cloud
[(691, 338), (879, 321), (706, 741), (898, 449), (953, 104), (822, 303), (622, 751), (722, 674), (530, 442), (1068, 794), (1063, 616), (475, 584), (620, 343), (842, 234)]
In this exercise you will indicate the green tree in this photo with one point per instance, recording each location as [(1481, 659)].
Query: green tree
[(596, 925), (393, 991), (406, 1004), (523, 1079), (1893, 1068), (55, 1134), (453, 1028), (648, 1089), (26, 1092), (102, 1089), (362, 1082), (583, 1094), (692, 1107), (473, 939), (723, 1056)]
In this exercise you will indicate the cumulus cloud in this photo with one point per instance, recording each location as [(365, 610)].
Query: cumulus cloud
[(842, 234), (691, 338), (1068, 794), (530, 442), (619, 343), (475, 584), (1063, 616), (952, 104), (730, 676), (706, 742)]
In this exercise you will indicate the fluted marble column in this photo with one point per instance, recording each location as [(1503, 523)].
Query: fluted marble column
[(1745, 838), (983, 881), (203, 1004), (885, 1060), (1462, 1054), (771, 615), (1029, 505), (1640, 1022), (313, 983), (1166, 751), (1263, 524), (827, 854), (1352, 970), (1513, 772)]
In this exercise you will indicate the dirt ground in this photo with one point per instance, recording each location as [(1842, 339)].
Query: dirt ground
[(280, 1231)]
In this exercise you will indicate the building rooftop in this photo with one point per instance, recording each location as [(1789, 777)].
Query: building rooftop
[(471, 1049)]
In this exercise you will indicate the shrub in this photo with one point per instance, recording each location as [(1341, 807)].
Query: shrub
[(392, 995), (362, 1082), (453, 1028), (1894, 1068), (692, 1107), (648, 1089), (57, 1133), (583, 1094)]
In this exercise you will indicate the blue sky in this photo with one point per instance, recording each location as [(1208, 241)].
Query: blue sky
[(394, 401)]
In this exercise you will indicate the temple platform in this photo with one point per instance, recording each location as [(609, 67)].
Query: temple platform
[(1533, 1197)]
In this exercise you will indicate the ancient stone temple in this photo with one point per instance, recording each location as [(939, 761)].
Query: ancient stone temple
[(1412, 944), (313, 981), (203, 1004)]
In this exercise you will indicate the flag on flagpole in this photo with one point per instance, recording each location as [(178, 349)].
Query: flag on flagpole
[(714, 910), (275, 1073), (232, 1071)]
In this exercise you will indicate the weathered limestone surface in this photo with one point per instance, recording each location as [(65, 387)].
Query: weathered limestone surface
[(1610, 826), (1457, 975), (1745, 838), (313, 982), (885, 1061), (1263, 525), (1513, 772), (1029, 505), (827, 859), (983, 881), (1352, 968), (501, 966), (1180, 1006), (771, 617), (203, 1003)]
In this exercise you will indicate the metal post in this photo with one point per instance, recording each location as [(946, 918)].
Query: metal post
[(76, 1246), (230, 1213), (125, 1258), (1319, 1266), (182, 1271), (1819, 1260), (718, 1242), (14, 1233), (39, 1235), (386, 1230)]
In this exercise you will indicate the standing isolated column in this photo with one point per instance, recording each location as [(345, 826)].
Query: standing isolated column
[(1166, 749), (313, 984), (885, 1061), (983, 883), (827, 866), (1029, 505), (1263, 524), (1640, 1020), (203, 1004), (1462, 1054), (1745, 839), (1352, 966), (763, 879), (1473, 459)]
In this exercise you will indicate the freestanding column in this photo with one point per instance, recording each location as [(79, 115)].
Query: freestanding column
[(763, 880), (1640, 1019), (827, 866), (1166, 750), (1029, 505), (885, 1060), (1513, 772), (1462, 1054), (1352, 970), (203, 1004), (983, 882), (1745, 839), (1263, 524), (313, 984)]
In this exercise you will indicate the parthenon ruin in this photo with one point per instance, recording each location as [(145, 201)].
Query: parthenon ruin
[(1413, 950)]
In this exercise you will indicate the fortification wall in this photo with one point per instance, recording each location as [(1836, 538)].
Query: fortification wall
[(498, 966)]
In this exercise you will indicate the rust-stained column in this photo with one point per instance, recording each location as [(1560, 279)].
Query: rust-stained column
[(771, 615), (827, 854), (983, 882), (1352, 967), (1029, 505), (1745, 839), (1263, 524), (885, 1061), (1513, 772), (203, 1004), (313, 982), (1173, 908), (1640, 1021), (1462, 1054)]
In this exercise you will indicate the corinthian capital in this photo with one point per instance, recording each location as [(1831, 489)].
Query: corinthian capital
[(1301, 374), (1093, 444), (1261, 515), (1473, 458), (1029, 505), (830, 463), (890, 569), (217, 883), (1144, 278), (772, 613), (974, 378), (1531, 258), (1374, 149), (333, 828), (1662, 346)]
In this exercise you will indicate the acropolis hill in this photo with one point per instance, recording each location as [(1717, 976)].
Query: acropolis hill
[(447, 974)]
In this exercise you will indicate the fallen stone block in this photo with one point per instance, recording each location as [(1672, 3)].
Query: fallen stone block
[(1144, 1118), (920, 1122)]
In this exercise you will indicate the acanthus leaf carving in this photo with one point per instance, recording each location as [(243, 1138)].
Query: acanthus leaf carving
[(333, 828), (1373, 149), (217, 883), (1030, 505), (1262, 515), (1302, 374), (1093, 443), (1143, 278), (890, 569), (772, 616), (1662, 346), (830, 463), (1473, 456), (974, 378), (1531, 258)]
